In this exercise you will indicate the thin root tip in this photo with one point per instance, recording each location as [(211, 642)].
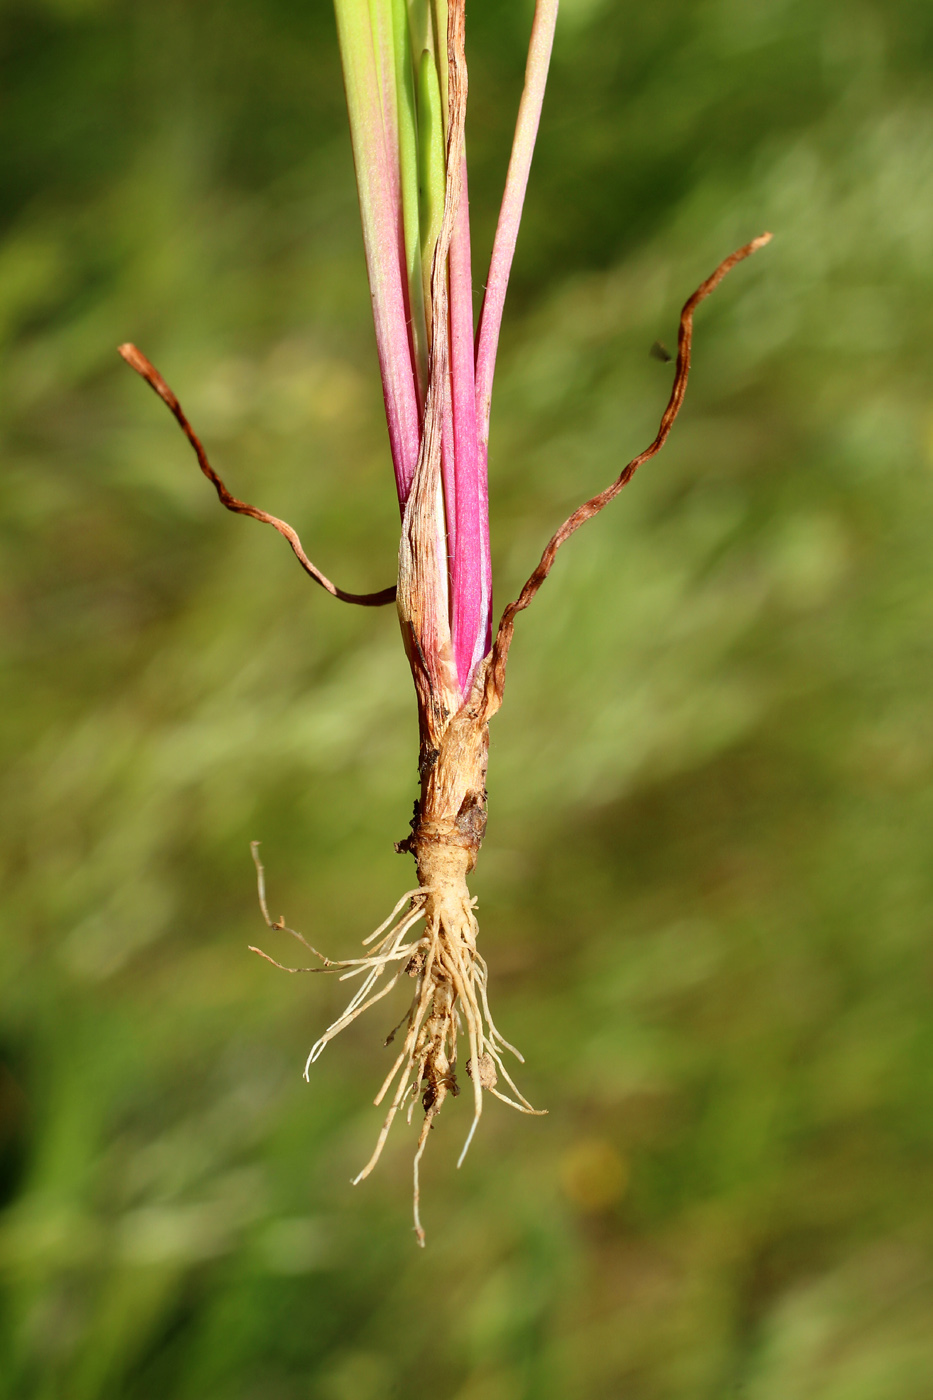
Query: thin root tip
[(761, 240), (466, 1145)]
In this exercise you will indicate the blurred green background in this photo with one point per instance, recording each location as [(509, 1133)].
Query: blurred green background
[(706, 894)]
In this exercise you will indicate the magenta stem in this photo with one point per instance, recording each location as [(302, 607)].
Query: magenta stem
[(373, 128), (470, 573), (510, 214)]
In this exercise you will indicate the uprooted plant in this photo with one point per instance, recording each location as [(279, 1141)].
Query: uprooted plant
[(406, 82)]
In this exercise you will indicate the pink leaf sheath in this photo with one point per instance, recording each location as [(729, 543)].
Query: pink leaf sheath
[(503, 250), (371, 101), (447, 467), (470, 570)]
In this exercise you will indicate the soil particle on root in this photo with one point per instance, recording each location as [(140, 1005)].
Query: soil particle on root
[(487, 1071)]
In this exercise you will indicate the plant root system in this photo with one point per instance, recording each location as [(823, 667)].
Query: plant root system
[(430, 937)]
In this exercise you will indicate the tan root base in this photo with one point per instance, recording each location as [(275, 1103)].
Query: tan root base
[(450, 995)]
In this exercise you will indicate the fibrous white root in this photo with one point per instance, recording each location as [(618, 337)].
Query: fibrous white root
[(451, 989)]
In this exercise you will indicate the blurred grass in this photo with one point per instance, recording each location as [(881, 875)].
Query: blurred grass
[(706, 891)]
